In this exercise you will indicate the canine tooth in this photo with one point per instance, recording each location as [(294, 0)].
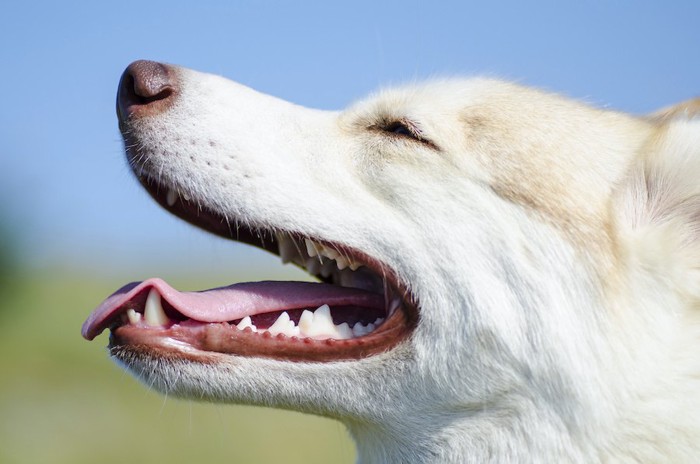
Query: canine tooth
[(246, 322), (134, 317), (171, 197), (311, 248), (354, 265), (153, 314)]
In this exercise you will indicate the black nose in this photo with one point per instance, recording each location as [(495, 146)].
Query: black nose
[(146, 88)]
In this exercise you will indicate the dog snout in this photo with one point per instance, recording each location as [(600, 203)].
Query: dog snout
[(146, 88)]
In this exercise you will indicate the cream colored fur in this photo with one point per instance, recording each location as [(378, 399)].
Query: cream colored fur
[(554, 249)]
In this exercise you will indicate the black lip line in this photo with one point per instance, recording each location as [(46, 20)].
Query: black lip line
[(212, 222)]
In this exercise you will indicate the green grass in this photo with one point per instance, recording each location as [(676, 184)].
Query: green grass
[(63, 401)]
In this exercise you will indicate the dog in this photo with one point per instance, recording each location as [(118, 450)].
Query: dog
[(504, 275)]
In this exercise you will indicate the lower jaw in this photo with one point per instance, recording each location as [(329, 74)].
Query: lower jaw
[(203, 342)]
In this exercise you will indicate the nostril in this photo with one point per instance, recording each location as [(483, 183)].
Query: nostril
[(145, 88), (145, 94), (150, 81)]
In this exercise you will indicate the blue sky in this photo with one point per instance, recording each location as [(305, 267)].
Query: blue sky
[(68, 194)]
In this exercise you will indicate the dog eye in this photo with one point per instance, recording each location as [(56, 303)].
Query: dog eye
[(400, 128), (407, 129)]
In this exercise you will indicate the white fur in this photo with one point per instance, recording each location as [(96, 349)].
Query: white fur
[(554, 250)]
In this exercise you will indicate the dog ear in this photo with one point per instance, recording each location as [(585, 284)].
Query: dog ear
[(685, 110), (658, 206)]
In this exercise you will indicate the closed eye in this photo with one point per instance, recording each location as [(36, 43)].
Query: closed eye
[(400, 128), (407, 129)]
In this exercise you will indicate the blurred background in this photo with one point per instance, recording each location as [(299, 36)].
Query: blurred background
[(74, 224)]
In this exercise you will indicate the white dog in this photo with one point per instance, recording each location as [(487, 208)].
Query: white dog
[(508, 276)]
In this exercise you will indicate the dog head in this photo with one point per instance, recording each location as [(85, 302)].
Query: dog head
[(510, 247)]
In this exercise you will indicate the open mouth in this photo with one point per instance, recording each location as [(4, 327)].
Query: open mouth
[(357, 309)]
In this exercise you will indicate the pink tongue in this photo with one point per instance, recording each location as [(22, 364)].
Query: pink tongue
[(233, 302)]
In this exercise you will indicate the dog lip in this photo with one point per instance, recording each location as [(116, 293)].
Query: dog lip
[(207, 342), (197, 215)]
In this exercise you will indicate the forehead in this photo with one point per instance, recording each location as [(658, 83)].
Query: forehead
[(429, 99), (554, 156)]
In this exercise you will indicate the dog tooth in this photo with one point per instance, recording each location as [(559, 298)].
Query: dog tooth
[(245, 322), (319, 325), (171, 197), (313, 266), (358, 329), (341, 262), (323, 312), (282, 318), (281, 325), (133, 316), (306, 321), (322, 326), (353, 265), (153, 314), (299, 260), (287, 248), (311, 248), (343, 331), (329, 252)]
